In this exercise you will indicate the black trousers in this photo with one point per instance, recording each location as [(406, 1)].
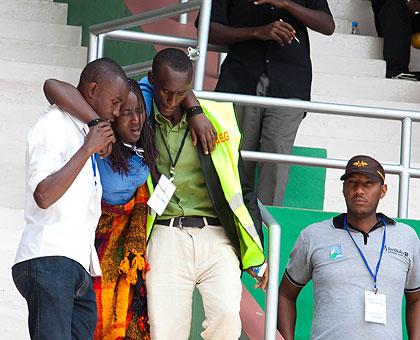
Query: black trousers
[(395, 23)]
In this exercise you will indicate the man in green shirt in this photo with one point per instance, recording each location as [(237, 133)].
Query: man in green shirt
[(205, 236)]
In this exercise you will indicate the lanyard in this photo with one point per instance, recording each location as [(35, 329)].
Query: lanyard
[(173, 163), (374, 276), (92, 160)]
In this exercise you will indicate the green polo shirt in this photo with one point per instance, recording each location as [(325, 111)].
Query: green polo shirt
[(191, 197)]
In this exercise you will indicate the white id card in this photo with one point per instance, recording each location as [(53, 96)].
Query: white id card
[(375, 307), (162, 195)]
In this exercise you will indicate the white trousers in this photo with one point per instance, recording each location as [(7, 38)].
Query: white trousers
[(182, 259)]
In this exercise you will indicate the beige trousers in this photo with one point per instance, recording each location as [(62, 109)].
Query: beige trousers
[(182, 259)]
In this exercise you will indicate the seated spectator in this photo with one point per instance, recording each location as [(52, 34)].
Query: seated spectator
[(395, 21), (268, 56)]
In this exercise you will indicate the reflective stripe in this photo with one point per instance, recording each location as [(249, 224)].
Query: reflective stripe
[(236, 201)]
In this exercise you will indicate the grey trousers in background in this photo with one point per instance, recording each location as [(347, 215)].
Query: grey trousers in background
[(268, 130)]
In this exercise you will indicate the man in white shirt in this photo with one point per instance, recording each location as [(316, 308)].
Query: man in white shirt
[(56, 256)]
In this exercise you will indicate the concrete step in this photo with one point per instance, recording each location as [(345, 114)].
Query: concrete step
[(32, 10), (12, 70), (12, 181), (396, 90), (354, 10), (41, 53), (21, 92), (324, 63), (346, 45), (42, 32), (15, 122)]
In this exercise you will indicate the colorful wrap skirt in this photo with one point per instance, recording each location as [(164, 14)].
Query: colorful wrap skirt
[(121, 291)]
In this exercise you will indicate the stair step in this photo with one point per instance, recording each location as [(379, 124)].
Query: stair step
[(355, 10), (40, 11), (12, 182), (41, 53), (21, 92), (347, 45), (42, 32), (323, 63), (365, 88), (12, 70)]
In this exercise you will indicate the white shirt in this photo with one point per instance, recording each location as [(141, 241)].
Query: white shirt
[(67, 227)]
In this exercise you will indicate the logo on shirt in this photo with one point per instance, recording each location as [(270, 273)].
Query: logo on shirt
[(335, 251), (396, 251), (222, 137)]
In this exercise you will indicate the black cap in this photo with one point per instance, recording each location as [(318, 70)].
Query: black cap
[(367, 166)]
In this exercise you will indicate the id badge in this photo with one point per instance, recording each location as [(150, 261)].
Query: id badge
[(375, 307), (161, 195)]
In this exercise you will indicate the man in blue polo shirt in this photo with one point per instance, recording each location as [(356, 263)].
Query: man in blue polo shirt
[(361, 263)]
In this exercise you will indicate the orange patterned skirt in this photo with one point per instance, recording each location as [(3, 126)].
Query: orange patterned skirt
[(121, 291)]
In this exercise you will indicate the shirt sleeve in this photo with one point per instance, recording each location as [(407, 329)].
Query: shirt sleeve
[(43, 156), (298, 270), (147, 90), (412, 283), (321, 5), (219, 11)]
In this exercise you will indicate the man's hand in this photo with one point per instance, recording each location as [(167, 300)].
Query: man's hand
[(104, 153), (99, 138), (413, 5), (279, 31), (261, 281), (201, 128)]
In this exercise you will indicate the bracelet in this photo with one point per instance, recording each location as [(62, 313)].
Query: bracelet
[(194, 111), (95, 122)]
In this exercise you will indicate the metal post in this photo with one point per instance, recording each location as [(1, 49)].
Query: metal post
[(93, 47), (183, 18), (404, 186), (271, 299), (203, 35), (101, 43), (272, 289)]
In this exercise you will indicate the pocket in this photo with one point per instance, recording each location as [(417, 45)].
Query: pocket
[(84, 285)]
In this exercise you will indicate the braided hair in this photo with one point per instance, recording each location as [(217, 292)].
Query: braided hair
[(119, 158)]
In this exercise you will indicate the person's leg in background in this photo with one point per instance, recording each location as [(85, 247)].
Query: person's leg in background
[(249, 122), (279, 131), (395, 23)]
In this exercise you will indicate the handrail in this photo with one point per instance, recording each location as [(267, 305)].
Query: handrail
[(271, 298)]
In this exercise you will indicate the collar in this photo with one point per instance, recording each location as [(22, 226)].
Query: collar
[(338, 222), (162, 120), (83, 127)]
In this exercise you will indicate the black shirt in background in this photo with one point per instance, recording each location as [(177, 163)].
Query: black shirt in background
[(288, 68)]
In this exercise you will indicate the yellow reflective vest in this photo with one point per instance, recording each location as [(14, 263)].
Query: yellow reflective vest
[(225, 159)]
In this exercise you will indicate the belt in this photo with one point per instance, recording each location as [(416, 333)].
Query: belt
[(193, 221)]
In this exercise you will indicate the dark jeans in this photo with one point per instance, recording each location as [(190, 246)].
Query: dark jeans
[(60, 298), (395, 23)]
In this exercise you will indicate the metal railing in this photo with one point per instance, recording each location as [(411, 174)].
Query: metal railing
[(116, 30)]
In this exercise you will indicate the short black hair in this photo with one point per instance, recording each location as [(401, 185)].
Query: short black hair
[(175, 58), (100, 70)]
